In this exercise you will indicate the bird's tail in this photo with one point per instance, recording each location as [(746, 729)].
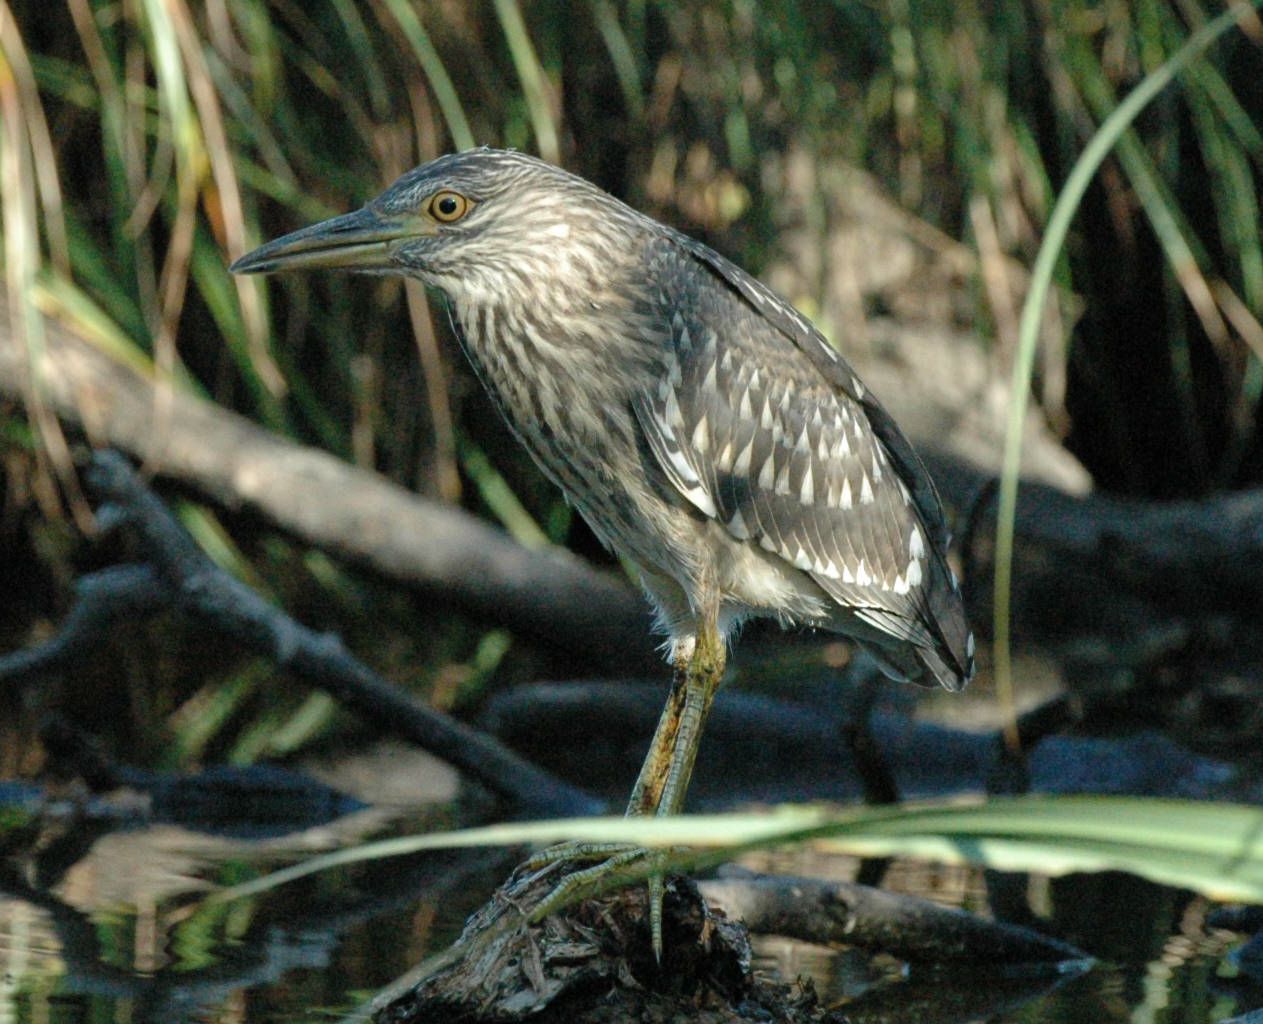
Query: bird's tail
[(943, 655), (950, 661)]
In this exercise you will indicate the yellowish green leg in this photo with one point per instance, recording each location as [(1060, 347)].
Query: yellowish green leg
[(702, 676), (661, 785)]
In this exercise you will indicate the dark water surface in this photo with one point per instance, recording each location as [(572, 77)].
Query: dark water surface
[(104, 918)]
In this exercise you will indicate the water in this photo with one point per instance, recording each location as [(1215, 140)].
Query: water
[(122, 935), (104, 916)]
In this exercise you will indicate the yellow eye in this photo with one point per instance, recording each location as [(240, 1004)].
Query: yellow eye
[(448, 207)]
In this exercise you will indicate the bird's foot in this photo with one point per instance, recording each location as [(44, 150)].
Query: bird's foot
[(616, 864)]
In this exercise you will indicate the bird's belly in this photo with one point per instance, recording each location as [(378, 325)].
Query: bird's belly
[(754, 582)]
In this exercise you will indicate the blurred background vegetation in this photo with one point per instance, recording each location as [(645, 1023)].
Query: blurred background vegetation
[(145, 143)]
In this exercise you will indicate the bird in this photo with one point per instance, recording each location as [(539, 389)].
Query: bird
[(706, 431)]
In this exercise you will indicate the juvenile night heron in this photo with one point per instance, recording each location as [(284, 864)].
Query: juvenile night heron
[(703, 428)]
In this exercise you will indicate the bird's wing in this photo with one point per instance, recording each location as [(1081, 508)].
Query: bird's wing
[(835, 369), (750, 430)]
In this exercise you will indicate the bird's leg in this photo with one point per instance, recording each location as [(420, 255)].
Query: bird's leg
[(661, 786), (646, 795), (702, 676), (668, 767)]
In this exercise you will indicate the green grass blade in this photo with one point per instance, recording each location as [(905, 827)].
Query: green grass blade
[(534, 81), (436, 74), (1080, 177), (1216, 849)]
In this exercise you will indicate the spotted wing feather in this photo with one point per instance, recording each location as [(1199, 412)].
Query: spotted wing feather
[(835, 369), (780, 443)]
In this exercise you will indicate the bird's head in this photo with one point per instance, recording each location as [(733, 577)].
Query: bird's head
[(483, 219)]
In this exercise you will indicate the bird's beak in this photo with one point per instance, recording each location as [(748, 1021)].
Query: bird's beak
[(362, 240)]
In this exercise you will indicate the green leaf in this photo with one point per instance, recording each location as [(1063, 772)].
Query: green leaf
[(1215, 849)]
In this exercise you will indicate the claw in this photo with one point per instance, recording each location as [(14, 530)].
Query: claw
[(611, 858), (657, 891), (575, 851)]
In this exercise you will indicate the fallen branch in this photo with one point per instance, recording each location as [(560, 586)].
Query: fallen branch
[(549, 595), (1111, 578), (906, 927), (179, 574)]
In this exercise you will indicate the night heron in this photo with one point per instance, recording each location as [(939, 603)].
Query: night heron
[(703, 428)]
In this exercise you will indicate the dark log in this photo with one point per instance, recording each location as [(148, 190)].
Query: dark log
[(549, 595), (758, 749), (1111, 578), (1102, 577), (906, 927), (592, 963)]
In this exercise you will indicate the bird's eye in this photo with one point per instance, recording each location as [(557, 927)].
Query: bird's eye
[(448, 207)]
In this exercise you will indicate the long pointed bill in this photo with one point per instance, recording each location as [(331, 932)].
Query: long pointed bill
[(355, 241)]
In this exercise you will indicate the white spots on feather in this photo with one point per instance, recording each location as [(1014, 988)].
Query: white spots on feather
[(969, 646), (785, 402), (901, 585), (914, 573), (844, 412), (685, 340), (741, 467), (703, 501), (664, 389), (866, 490), (857, 387), (903, 490), (876, 466), (807, 493), (847, 575), (817, 420), (691, 487), (801, 559), (710, 382), (744, 409), (765, 417), (701, 438), (725, 361), (782, 480), (846, 501), (737, 526), (843, 448), (756, 381), (673, 415), (724, 459), (778, 435), (862, 576), (803, 444), (767, 475), (833, 493), (916, 544)]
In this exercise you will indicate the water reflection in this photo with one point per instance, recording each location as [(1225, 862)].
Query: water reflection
[(104, 922)]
